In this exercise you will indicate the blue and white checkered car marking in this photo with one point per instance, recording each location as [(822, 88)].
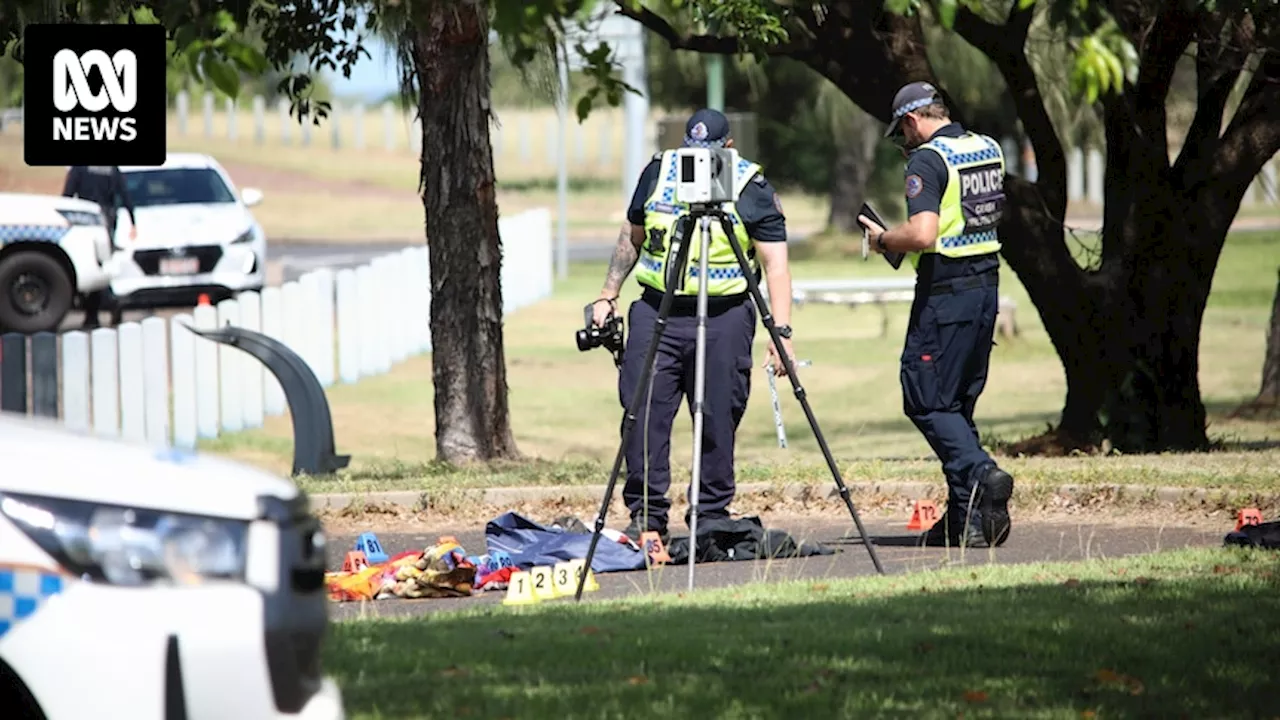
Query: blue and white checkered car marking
[(23, 591), (31, 233)]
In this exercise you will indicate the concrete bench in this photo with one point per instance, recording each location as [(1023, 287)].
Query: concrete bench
[(880, 292)]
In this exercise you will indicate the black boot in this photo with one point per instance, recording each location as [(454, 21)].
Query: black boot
[(637, 526), (952, 530), (994, 488)]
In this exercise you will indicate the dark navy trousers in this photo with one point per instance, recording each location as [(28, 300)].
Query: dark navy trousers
[(730, 331), (944, 369)]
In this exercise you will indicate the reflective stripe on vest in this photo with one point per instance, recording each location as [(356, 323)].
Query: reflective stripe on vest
[(663, 215), (973, 202)]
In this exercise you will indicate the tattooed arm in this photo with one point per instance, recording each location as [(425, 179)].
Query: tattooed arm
[(624, 258), (625, 254)]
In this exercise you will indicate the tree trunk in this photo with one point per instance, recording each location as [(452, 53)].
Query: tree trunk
[(451, 62), (1268, 400), (1270, 392), (855, 161)]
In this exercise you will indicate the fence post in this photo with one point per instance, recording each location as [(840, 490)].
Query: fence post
[(324, 330), (106, 383), (366, 312), (309, 307), (44, 375), (205, 317), (231, 119), (183, 353), (251, 369), (75, 381), (282, 110), (133, 412), (155, 364), (348, 314), (259, 119), (13, 373), (229, 371), (182, 106), (272, 326)]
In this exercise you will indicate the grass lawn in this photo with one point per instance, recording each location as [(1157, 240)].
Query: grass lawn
[(1175, 634), (566, 415)]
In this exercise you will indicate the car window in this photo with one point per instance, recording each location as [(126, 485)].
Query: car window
[(177, 187)]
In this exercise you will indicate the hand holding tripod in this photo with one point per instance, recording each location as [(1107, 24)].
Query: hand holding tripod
[(678, 259)]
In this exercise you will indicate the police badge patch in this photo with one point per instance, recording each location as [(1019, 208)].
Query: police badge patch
[(699, 132), (914, 185)]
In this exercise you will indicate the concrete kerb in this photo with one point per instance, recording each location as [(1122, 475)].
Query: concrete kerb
[(905, 492)]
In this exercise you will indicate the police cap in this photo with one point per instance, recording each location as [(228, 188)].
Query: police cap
[(707, 128), (910, 98)]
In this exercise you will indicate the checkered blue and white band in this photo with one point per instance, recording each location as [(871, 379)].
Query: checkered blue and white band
[(913, 105), (690, 142), (23, 591)]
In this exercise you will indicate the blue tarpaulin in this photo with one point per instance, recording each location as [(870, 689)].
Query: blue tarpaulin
[(530, 544)]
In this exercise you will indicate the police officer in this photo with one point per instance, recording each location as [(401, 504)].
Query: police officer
[(104, 185), (646, 238), (954, 189)]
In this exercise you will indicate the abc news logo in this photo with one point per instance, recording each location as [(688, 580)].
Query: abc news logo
[(71, 91), (95, 94)]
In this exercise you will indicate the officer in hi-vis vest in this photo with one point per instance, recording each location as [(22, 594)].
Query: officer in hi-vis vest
[(955, 197), (731, 323)]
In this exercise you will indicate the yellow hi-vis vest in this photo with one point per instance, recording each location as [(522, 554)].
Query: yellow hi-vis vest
[(973, 202), (663, 216)]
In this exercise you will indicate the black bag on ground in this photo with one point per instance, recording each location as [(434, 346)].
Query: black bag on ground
[(1264, 535), (721, 539)]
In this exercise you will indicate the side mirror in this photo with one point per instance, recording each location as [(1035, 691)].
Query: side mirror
[(251, 196)]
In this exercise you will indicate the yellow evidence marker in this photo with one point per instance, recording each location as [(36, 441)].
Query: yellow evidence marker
[(578, 566), (543, 586), (566, 579), (520, 590)]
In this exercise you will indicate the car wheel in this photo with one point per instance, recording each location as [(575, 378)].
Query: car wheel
[(35, 293)]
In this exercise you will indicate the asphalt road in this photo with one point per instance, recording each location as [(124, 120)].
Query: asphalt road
[(897, 549)]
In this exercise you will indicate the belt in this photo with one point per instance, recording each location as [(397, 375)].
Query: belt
[(987, 279)]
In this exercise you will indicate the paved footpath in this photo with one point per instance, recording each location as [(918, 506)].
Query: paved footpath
[(898, 551)]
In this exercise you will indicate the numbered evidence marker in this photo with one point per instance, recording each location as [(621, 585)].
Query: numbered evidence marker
[(578, 566), (520, 589), (543, 584), (565, 578)]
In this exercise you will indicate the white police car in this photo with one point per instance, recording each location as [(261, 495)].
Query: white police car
[(196, 235), (144, 583), (53, 250)]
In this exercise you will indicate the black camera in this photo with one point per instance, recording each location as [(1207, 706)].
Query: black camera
[(609, 336)]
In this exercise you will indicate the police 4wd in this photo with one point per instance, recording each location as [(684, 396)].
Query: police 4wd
[(52, 253), (155, 585)]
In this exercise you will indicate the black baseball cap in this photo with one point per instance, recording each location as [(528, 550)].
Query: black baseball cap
[(706, 128), (911, 97)]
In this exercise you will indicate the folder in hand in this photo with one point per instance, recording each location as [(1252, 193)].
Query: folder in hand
[(893, 258)]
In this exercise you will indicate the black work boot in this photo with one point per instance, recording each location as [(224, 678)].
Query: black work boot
[(951, 530), (993, 490), (636, 527)]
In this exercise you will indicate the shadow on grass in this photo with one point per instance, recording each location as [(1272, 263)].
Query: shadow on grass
[(1193, 638)]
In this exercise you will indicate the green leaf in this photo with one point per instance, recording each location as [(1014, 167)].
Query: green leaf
[(248, 58), (1024, 4), (224, 77), (947, 13)]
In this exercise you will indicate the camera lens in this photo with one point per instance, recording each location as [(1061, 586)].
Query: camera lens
[(584, 341)]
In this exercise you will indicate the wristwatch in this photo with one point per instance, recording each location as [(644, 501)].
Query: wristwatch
[(784, 331)]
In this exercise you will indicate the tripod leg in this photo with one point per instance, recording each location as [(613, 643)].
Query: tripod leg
[(767, 318), (699, 393), (664, 309)]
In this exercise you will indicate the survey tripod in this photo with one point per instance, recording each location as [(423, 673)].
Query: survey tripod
[(704, 213)]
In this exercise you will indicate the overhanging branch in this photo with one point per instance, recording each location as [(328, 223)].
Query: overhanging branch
[(711, 44)]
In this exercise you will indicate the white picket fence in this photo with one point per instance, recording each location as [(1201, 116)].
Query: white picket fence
[(158, 382)]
